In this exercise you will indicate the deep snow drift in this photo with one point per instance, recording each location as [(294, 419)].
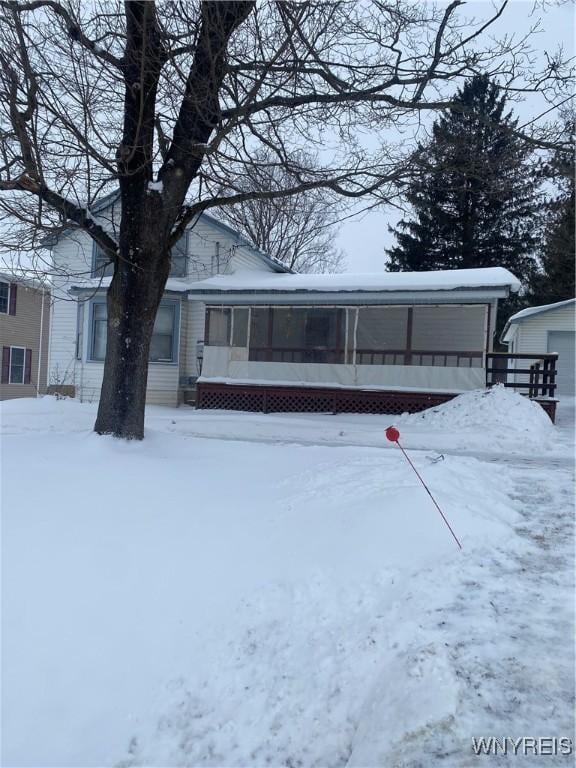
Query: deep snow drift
[(193, 601)]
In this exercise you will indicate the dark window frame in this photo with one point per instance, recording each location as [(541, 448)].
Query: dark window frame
[(24, 350), (9, 288)]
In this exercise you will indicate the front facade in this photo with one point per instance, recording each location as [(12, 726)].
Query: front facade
[(78, 328), (240, 331), (24, 329), (546, 329)]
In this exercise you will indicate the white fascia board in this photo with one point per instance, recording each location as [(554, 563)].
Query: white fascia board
[(347, 298)]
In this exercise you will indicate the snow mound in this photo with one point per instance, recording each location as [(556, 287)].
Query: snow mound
[(488, 409)]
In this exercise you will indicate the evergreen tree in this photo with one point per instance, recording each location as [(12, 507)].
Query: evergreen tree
[(555, 281), (475, 200)]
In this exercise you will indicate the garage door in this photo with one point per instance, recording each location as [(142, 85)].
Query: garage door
[(563, 342)]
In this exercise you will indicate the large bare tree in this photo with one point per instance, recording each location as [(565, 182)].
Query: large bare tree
[(167, 101), (298, 230)]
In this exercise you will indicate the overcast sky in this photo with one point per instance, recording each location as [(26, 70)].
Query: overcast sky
[(364, 237)]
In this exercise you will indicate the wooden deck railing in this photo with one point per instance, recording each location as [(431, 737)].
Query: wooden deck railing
[(531, 374), (441, 358)]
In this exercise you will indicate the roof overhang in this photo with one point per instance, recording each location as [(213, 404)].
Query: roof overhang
[(467, 295)]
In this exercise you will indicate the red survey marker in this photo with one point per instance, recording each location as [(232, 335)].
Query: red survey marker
[(393, 435)]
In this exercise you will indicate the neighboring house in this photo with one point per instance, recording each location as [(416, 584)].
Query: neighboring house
[(78, 328), (546, 329), (24, 328), (386, 342)]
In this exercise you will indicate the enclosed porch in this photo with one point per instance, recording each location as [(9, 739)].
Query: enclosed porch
[(427, 352)]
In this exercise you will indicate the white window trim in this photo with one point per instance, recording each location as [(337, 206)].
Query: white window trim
[(23, 367), (2, 312)]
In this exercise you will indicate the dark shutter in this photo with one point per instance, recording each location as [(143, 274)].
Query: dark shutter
[(5, 365), (28, 367), (12, 304)]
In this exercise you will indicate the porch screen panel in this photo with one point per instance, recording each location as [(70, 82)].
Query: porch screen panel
[(240, 327), (382, 335), (217, 326), (445, 330), (297, 335), (351, 323), (288, 328), (324, 331), (259, 332)]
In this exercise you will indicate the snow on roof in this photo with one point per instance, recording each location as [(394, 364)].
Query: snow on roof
[(172, 284), (442, 280), (529, 311)]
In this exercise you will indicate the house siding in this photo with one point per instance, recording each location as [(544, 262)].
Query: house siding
[(532, 332), (24, 330), (530, 336)]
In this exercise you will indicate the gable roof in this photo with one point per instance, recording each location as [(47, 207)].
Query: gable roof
[(102, 203), (531, 312)]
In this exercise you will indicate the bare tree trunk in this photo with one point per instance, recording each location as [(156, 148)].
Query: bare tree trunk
[(133, 298)]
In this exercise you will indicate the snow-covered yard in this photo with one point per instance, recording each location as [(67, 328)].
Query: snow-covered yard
[(278, 590)]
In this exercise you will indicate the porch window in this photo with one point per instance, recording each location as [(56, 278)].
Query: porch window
[(164, 344), (297, 334)]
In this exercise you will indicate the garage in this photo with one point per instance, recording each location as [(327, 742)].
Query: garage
[(544, 329), (563, 342)]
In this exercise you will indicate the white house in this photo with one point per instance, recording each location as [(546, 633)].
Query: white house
[(546, 329), (77, 334), (258, 337)]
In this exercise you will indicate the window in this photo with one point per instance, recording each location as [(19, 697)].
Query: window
[(218, 326), (80, 330), (163, 347), (162, 344), (99, 316), (178, 257), (17, 364), (101, 264), (4, 297), (215, 259)]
